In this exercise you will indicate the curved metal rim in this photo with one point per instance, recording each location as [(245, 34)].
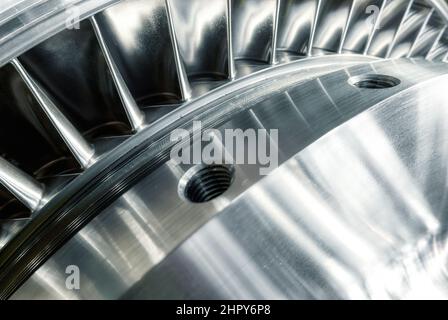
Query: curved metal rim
[(88, 8), (86, 196), (24, 39)]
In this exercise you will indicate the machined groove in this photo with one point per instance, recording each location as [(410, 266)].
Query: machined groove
[(420, 33), (347, 26), (184, 83), (331, 24), (410, 31), (135, 116), (435, 43), (399, 29), (389, 22), (400, 26), (80, 148), (439, 51), (360, 25), (202, 41), (24, 187), (105, 180), (253, 31), (275, 24), (296, 20), (375, 27), (313, 29), (230, 58), (445, 58)]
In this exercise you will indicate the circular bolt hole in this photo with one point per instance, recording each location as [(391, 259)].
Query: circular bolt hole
[(205, 182), (374, 81)]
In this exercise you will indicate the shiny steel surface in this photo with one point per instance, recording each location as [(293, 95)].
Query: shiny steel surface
[(296, 22), (331, 22), (91, 90), (24, 187), (358, 33), (432, 29), (82, 151), (392, 16), (201, 33), (253, 26), (26, 23), (356, 215), (134, 46), (120, 251), (305, 68), (72, 71), (135, 116), (438, 52), (415, 20)]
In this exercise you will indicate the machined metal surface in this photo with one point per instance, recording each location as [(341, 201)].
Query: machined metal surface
[(126, 266), (350, 94)]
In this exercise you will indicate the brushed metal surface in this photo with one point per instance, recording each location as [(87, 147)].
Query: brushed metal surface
[(252, 23), (360, 30), (409, 31), (137, 35), (428, 36), (127, 251), (359, 214), (201, 32), (389, 21), (331, 23), (140, 66), (296, 23)]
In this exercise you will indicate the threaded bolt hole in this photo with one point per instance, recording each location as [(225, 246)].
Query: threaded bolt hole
[(374, 81), (204, 183)]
